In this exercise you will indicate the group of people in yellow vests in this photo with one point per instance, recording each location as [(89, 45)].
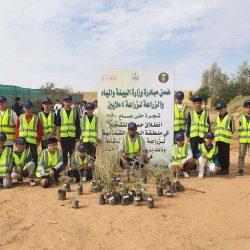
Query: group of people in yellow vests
[(195, 145), (21, 136)]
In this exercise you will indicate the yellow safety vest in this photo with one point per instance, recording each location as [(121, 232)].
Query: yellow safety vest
[(244, 130), (4, 160), (179, 156), (20, 160), (49, 160), (223, 131), (68, 128), (7, 124), (179, 118), (131, 148), (89, 129), (47, 123), (199, 125), (209, 155), (28, 130)]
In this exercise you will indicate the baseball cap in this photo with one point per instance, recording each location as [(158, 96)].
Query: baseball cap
[(89, 105), (3, 136), (51, 140), (67, 97), (179, 137), (46, 101), (132, 126), (209, 135), (27, 104), (246, 103), (81, 148), (3, 99), (179, 95), (21, 140), (197, 98)]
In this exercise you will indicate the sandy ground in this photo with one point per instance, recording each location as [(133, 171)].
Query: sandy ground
[(216, 219)]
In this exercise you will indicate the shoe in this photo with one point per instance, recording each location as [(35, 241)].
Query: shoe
[(223, 172), (240, 172), (32, 183), (185, 174), (200, 176)]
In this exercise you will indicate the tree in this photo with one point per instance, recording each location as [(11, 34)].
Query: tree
[(242, 79), (213, 80), (204, 92)]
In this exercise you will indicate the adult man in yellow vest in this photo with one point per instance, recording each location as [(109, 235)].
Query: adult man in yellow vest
[(132, 147), (29, 126), (244, 136), (47, 118), (198, 124), (223, 133), (5, 162), (8, 120), (181, 159), (90, 129), (68, 128), (179, 113)]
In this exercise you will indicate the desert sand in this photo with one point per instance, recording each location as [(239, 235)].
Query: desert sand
[(32, 217)]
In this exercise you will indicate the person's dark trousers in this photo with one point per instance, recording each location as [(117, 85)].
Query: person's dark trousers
[(84, 173), (44, 144), (68, 147), (224, 156), (91, 148), (33, 151), (194, 143)]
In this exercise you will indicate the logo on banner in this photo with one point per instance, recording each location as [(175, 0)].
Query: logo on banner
[(135, 77), (163, 77), (108, 78)]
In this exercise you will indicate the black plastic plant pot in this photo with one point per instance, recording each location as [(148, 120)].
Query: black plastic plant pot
[(102, 200), (125, 200), (159, 191), (112, 200), (137, 201), (80, 189), (150, 202), (61, 194), (132, 194), (75, 203), (118, 198)]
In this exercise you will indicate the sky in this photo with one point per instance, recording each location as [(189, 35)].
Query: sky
[(69, 42)]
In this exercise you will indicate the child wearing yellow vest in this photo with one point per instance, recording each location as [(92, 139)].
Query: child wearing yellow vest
[(50, 163), (179, 113), (22, 162), (82, 164), (47, 118), (181, 159), (208, 156), (223, 133), (90, 129), (5, 162), (244, 136)]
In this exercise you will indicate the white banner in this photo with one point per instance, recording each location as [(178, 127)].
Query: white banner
[(143, 97)]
